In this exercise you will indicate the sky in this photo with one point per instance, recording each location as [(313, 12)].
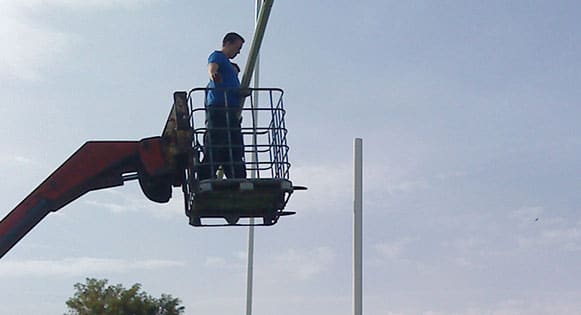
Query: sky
[(469, 114)]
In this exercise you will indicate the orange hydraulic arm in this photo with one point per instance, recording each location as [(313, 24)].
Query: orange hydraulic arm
[(158, 163)]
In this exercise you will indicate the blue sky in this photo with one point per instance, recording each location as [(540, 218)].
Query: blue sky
[(469, 112)]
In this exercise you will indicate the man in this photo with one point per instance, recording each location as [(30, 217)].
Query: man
[(223, 144)]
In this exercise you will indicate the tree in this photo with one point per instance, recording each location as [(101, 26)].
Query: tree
[(96, 297)]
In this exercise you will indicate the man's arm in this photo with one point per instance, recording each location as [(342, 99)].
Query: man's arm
[(213, 72)]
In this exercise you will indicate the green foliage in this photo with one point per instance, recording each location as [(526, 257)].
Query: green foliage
[(95, 297)]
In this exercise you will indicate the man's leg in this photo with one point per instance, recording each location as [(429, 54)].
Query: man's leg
[(238, 159), (214, 141), (207, 165)]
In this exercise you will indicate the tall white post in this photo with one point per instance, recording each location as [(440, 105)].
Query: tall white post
[(254, 159), (261, 21), (358, 229)]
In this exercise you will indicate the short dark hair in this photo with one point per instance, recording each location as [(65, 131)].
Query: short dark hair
[(231, 37)]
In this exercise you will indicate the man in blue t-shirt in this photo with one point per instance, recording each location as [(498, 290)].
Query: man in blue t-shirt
[(223, 144), (223, 76)]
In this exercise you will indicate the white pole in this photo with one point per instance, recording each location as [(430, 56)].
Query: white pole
[(358, 229), (262, 16), (254, 159)]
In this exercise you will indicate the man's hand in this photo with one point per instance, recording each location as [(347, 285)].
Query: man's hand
[(216, 77)]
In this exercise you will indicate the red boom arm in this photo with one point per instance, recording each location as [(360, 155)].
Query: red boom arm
[(158, 162), (95, 165)]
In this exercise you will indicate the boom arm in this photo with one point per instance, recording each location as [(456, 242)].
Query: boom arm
[(103, 164)]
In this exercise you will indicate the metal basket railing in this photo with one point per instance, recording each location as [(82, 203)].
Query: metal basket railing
[(262, 129)]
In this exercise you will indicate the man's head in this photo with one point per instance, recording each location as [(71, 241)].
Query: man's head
[(232, 44)]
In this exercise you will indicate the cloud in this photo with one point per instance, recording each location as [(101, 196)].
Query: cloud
[(25, 161), (215, 262), (336, 179), (407, 186), (330, 187), (569, 239), (468, 244), (18, 161), (550, 231), (537, 303), (452, 175), (392, 250), (526, 215), (557, 305), (134, 201), (304, 264), (82, 5), (28, 46), (79, 266), (236, 262)]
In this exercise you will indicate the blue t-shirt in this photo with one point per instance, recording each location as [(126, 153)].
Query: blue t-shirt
[(229, 81)]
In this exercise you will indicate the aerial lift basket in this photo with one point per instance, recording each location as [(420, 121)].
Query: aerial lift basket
[(263, 194)]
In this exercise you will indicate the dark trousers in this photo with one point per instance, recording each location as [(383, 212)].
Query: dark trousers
[(223, 145)]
